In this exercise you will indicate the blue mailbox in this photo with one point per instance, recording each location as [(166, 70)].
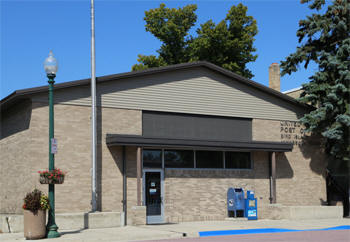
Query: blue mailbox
[(251, 209), (235, 201)]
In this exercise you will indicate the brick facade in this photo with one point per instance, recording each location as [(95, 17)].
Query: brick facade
[(195, 195), (15, 156), (192, 195), (189, 194), (295, 94), (300, 173), (72, 130)]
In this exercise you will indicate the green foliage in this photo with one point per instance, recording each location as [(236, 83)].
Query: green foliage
[(325, 40), (148, 62), (44, 202), (36, 200), (228, 44)]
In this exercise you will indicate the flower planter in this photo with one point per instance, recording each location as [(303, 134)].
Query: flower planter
[(55, 176), (34, 224), (46, 180)]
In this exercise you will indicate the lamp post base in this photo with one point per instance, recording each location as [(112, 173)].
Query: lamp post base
[(52, 232)]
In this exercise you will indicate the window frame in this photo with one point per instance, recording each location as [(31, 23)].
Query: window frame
[(152, 148), (195, 158), (223, 158), (179, 149), (242, 169)]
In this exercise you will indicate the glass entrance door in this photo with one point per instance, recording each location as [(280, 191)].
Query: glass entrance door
[(153, 191)]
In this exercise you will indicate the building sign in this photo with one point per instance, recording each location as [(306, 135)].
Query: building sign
[(53, 146), (292, 132)]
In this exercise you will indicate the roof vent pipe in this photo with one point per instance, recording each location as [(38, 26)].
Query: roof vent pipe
[(274, 77)]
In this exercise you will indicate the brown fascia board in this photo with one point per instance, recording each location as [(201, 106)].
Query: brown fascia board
[(5, 102), (138, 140)]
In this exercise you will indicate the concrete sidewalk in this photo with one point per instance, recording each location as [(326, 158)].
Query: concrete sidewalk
[(172, 231)]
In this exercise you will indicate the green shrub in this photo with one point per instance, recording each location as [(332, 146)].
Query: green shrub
[(36, 200)]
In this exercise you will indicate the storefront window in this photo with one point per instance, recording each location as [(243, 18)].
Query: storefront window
[(152, 158), (178, 159), (237, 160), (209, 159)]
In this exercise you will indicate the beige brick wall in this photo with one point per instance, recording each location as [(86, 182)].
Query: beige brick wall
[(72, 130), (194, 195), (116, 121), (294, 94), (15, 154), (189, 194), (72, 126), (201, 194), (131, 178), (300, 173), (137, 215)]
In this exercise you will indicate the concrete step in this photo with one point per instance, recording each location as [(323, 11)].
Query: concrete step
[(238, 219), (278, 211), (12, 223)]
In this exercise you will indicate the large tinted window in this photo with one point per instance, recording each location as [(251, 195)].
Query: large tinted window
[(209, 159), (152, 158), (237, 160), (179, 159)]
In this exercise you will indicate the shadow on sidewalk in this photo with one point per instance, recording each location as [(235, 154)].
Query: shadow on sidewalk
[(72, 232)]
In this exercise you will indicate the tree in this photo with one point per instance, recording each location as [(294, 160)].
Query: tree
[(325, 40), (228, 44), (170, 26)]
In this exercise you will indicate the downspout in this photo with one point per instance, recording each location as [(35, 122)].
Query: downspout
[(124, 187), (270, 178)]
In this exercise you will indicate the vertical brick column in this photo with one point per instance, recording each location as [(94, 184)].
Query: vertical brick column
[(273, 177)]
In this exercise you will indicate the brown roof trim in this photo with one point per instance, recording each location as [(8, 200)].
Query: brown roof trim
[(137, 140), (19, 93)]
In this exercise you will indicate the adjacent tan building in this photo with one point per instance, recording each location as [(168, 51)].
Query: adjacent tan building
[(171, 141), (295, 93)]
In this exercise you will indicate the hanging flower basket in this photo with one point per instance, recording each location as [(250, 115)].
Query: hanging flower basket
[(55, 176), (46, 180)]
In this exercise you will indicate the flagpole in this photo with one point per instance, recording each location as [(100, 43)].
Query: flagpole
[(93, 112)]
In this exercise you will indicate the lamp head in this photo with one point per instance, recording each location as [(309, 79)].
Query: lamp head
[(50, 66)]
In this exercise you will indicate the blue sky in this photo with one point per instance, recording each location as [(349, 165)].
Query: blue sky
[(30, 29)]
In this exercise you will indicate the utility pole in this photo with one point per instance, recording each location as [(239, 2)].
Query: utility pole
[(93, 113)]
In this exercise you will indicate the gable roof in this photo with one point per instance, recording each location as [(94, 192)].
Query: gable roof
[(25, 93)]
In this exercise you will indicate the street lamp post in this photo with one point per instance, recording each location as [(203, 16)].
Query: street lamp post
[(51, 67)]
